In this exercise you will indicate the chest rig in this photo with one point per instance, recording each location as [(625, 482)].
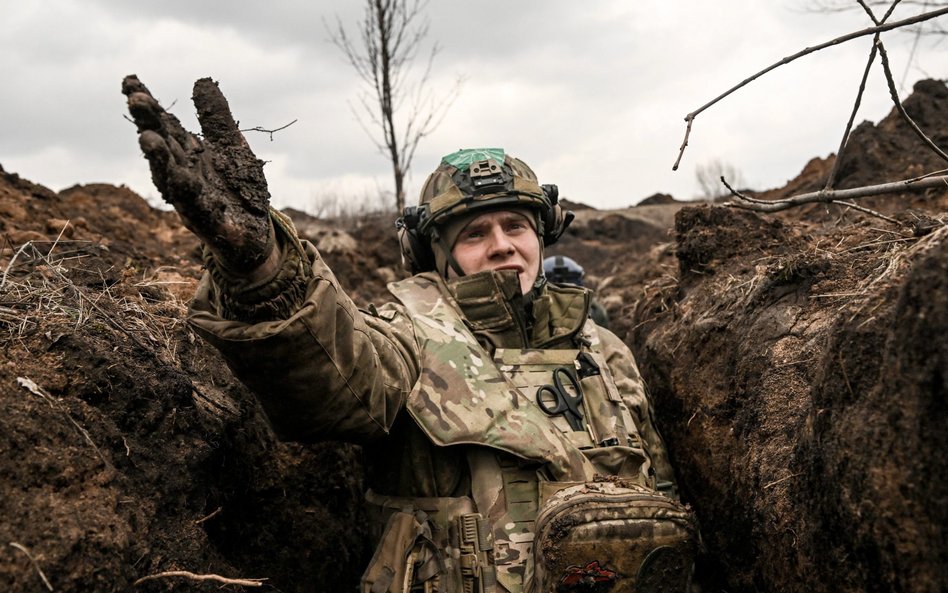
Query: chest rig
[(473, 393)]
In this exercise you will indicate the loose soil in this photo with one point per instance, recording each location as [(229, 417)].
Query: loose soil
[(796, 361)]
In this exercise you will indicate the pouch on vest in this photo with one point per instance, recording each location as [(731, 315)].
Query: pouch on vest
[(610, 440), (429, 545), (405, 555), (616, 537)]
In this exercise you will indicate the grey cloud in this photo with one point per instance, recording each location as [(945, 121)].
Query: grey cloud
[(555, 82)]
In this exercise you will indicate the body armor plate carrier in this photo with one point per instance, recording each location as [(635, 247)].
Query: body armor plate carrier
[(537, 519)]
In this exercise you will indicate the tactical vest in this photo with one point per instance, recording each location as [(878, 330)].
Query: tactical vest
[(518, 454)]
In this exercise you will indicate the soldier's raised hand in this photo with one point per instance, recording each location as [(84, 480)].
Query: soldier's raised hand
[(216, 183)]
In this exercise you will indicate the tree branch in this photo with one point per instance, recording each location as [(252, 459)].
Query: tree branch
[(870, 212), (200, 577), (907, 185), (842, 39), (391, 35), (872, 15), (898, 104), (831, 179), (271, 132)]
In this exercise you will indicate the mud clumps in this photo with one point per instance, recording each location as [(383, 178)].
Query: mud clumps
[(795, 383), (128, 447), (706, 234), (792, 412), (881, 390)]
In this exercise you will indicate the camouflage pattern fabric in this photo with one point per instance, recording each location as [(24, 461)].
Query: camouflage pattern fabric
[(614, 536), (506, 491), (461, 397), (325, 370), (624, 377), (465, 396)]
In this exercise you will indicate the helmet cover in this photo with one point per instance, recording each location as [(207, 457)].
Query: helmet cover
[(472, 181)]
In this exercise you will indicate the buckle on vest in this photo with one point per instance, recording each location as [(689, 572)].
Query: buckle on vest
[(476, 554)]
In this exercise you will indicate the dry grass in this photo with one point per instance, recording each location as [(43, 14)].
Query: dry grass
[(38, 294)]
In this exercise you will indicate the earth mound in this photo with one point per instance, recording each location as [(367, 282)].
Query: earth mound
[(797, 363)]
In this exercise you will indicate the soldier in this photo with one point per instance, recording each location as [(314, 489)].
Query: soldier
[(560, 269), (509, 442)]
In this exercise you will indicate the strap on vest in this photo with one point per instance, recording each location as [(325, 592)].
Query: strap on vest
[(476, 547), (412, 550)]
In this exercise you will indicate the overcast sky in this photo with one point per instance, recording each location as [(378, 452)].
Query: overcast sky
[(592, 95)]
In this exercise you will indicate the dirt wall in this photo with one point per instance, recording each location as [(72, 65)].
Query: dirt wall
[(801, 392)]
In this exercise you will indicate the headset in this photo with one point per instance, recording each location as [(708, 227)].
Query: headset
[(417, 228)]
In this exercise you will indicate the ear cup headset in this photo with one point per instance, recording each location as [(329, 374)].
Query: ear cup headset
[(471, 181)]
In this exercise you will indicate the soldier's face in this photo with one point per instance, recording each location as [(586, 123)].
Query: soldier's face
[(500, 240)]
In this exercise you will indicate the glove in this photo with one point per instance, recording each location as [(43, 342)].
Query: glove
[(216, 185)]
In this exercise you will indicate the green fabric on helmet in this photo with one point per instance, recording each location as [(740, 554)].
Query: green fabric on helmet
[(463, 159)]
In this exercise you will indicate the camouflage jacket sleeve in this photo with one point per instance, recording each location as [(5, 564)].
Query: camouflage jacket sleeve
[(632, 388), (321, 368)]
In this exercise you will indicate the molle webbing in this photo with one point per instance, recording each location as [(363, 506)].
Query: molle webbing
[(506, 491), (521, 491), (437, 544), (625, 428), (531, 369)]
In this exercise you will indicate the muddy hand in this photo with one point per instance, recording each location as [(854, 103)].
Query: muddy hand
[(217, 185)]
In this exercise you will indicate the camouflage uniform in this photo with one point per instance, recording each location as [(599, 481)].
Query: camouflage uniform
[(446, 431)]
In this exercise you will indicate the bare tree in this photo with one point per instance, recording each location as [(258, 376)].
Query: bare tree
[(709, 176), (396, 110), (829, 193)]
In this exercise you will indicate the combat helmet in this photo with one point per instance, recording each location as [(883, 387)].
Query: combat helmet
[(472, 181), (560, 269)]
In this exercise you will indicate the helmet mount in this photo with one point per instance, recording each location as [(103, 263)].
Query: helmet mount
[(486, 177)]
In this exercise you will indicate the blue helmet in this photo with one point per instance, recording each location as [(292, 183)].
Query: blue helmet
[(560, 269)]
